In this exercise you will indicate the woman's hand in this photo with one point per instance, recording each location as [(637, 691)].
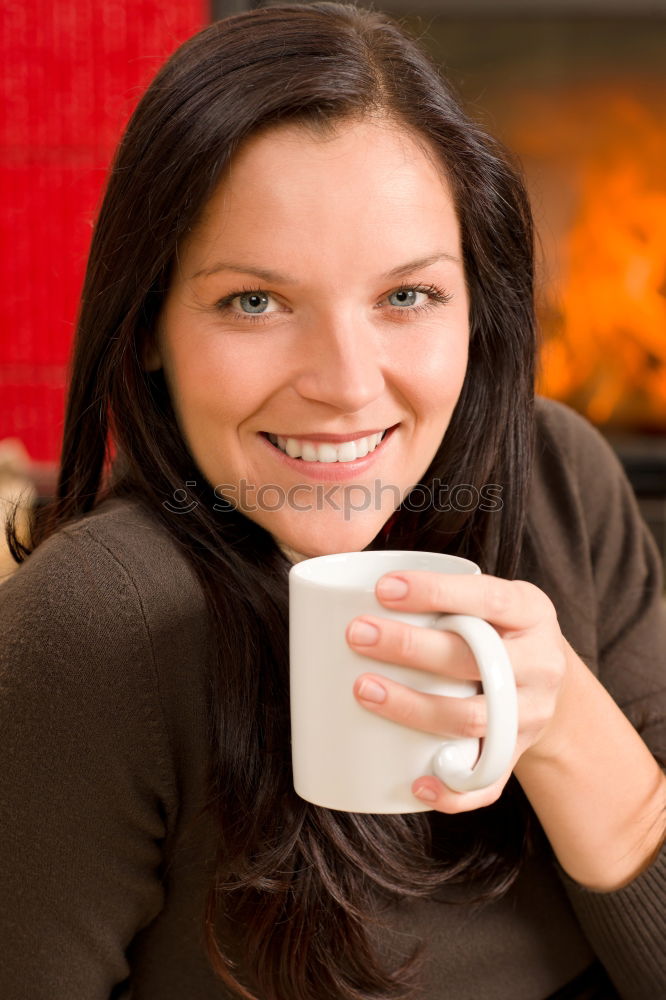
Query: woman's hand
[(526, 621), (573, 743)]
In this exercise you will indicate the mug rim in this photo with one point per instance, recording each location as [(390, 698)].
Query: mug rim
[(303, 570)]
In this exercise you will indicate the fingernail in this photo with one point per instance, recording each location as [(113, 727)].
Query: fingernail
[(371, 691), (392, 587), (363, 633), (426, 794)]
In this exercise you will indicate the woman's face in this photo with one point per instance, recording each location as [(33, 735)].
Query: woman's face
[(320, 302)]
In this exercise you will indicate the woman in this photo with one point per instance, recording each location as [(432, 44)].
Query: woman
[(305, 243)]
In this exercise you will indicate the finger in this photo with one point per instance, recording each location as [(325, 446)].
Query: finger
[(435, 793), (511, 604), (434, 650), (440, 715), (447, 716)]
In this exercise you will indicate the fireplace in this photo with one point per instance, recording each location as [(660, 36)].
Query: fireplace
[(578, 91)]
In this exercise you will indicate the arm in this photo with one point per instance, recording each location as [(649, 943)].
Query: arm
[(598, 791), (622, 910), (587, 747), (85, 783)]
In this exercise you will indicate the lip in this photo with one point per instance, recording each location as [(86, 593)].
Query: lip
[(331, 472), (329, 438)]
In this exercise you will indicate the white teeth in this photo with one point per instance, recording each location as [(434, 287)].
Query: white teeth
[(346, 451), (362, 447), (293, 448), (325, 452)]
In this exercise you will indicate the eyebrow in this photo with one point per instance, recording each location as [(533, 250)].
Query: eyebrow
[(276, 276)]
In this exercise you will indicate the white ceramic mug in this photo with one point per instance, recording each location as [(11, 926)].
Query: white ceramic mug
[(346, 757)]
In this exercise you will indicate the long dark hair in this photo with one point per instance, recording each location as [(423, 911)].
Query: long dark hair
[(297, 886)]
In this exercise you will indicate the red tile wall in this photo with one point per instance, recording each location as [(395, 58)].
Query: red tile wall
[(71, 71)]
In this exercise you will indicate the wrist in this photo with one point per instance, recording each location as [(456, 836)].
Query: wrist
[(561, 736)]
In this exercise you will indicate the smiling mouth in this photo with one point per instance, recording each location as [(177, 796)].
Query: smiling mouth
[(326, 451)]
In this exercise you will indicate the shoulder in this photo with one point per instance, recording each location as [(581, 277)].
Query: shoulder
[(563, 435), (577, 478), (96, 627), (135, 540), (115, 564), (588, 546)]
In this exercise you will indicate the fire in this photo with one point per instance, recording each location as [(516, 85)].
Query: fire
[(604, 322)]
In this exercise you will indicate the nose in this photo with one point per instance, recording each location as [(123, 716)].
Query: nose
[(340, 363)]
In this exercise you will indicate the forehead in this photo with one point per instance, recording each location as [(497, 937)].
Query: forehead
[(343, 190), (292, 159), (338, 139)]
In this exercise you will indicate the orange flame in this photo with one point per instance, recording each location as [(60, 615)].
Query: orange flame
[(604, 348)]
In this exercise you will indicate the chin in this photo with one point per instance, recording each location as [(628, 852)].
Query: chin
[(344, 536)]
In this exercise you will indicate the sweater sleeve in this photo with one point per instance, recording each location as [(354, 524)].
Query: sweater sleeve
[(626, 927), (86, 785)]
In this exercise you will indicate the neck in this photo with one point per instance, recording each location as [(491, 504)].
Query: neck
[(291, 554)]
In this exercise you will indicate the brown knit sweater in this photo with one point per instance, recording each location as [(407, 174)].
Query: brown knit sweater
[(103, 637)]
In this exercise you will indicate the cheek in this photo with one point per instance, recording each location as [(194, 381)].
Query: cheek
[(213, 382), (435, 371)]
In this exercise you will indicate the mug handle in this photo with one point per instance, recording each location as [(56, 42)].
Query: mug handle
[(499, 687)]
